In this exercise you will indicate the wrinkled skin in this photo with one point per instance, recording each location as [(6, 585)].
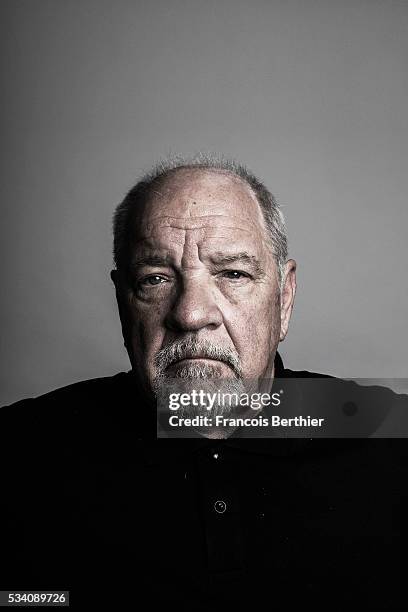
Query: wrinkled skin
[(202, 267)]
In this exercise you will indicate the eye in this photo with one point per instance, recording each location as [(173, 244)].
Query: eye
[(235, 274), (152, 281)]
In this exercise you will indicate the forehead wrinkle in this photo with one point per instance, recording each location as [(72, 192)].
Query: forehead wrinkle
[(193, 188), (186, 179), (167, 220), (196, 224), (190, 250), (154, 242)]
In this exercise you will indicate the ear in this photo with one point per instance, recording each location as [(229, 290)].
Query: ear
[(117, 279), (287, 296)]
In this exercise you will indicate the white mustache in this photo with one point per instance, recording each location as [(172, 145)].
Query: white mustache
[(192, 348)]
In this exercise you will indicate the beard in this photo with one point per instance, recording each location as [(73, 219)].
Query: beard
[(219, 377)]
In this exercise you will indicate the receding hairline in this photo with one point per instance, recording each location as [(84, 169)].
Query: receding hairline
[(272, 218), (153, 188), (153, 192), (170, 174)]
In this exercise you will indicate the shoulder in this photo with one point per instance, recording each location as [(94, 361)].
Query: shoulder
[(359, 408), (91, 418), (363, 388), (60, 403), (288, 373)]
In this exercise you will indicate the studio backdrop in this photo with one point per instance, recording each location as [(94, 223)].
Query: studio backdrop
[(311, 95)]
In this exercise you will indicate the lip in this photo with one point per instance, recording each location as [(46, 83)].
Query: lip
[(195, 359)]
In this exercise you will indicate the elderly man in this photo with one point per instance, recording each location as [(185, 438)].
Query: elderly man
[(203, 283), (95, 503)]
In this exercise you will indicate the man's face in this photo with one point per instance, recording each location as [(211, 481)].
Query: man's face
[(202, 270)]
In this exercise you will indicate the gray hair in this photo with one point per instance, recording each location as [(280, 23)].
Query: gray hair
[(271, 211)]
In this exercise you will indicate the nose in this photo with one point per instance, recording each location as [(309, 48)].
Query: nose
[(194, 309)]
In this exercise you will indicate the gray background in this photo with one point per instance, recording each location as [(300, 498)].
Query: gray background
[(312, 95)]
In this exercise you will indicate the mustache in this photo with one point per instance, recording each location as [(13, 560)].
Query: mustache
[(191, 347)]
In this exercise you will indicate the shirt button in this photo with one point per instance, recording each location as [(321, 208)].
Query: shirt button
[(220, 506)]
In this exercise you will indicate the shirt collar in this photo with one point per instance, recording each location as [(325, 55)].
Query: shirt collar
[(262, 446)]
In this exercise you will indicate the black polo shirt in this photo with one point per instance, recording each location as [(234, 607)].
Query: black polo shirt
[(93, 503)]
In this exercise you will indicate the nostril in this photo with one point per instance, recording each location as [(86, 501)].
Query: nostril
[(190, 314)]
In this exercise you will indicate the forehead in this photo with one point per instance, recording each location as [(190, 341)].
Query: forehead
[(196, 200)]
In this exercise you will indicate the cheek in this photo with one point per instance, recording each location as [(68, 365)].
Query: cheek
[(254, 327), (146, 332), (258, 312)]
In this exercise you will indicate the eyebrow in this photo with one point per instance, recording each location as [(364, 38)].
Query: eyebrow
[(243, 257), (217, 259), (150, 260)]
